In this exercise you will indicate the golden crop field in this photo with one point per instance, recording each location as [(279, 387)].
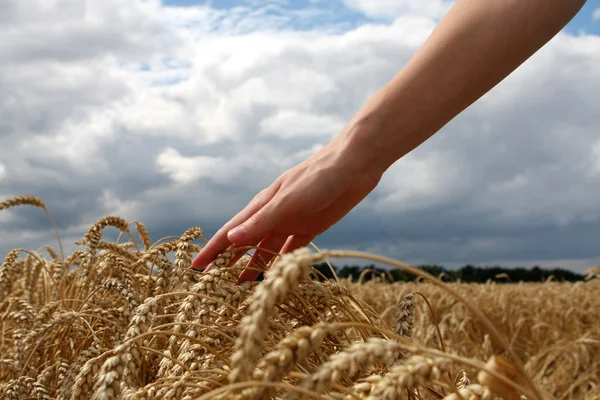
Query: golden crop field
[(130, 320)]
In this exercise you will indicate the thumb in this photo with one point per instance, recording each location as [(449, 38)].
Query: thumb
[(254, 229)]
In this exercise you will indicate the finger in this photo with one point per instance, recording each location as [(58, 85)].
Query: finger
[(236, 257), (295, 242), (238, 254), (269, 249), (219, 242), (256, 228)]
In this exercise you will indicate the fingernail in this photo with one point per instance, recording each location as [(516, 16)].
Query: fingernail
[(197, 266), (206, 270), (237, 234)]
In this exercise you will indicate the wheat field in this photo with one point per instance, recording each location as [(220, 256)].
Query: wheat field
[(129, 319)]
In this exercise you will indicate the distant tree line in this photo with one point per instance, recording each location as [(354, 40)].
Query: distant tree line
[(467, 273)]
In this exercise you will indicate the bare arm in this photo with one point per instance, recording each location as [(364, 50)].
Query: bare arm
[(476, 45)]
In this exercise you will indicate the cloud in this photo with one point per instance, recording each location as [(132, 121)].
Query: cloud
[(82, 33), (187, 169), (423, 182), (596, 14), (292, 123), (179, 116)]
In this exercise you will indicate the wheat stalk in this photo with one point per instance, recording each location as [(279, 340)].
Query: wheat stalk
[(122, 321)]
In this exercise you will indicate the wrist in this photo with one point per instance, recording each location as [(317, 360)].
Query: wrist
[(361, 149), (390, 126)]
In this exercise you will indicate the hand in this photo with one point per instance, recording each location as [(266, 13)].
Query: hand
[(298, 206)]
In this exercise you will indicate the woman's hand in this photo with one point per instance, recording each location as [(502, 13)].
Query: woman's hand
[(301, 204)]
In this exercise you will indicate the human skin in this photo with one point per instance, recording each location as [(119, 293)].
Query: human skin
[(473, 48)]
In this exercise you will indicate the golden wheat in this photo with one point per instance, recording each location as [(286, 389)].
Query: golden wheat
[(125, 320)]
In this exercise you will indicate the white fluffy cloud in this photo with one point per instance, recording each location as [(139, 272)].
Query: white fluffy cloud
[(188, 169), (70, 30), (178, 116), (421, 182)]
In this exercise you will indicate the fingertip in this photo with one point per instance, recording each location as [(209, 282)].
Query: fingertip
[(247, 275), (208, 253), (199, 263), (206, 270), (295, 242)]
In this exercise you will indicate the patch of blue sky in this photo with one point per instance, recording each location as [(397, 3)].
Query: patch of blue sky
[(166, 62), (324, 14), (178, 70), (172, 63), (300, 15), (134, 65), (584, 22)]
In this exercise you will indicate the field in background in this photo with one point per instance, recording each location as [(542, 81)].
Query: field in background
[(123, 320)]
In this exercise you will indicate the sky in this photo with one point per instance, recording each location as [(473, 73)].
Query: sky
[(177, 113)]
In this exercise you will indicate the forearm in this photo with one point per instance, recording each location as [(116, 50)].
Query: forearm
[(475, 46)]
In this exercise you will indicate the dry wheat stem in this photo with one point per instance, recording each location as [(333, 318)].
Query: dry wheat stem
[(181, 335), (357, 254), (434, 318), (266, 384), (337, 279), (307, 321), (280, 280), (453, 357), (36, 202)]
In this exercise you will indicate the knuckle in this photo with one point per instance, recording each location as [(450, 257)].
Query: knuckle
[(260, 197), (256, 219)]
